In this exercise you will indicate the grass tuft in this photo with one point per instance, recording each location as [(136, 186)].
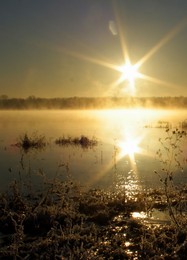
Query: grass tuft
[(35, 141), (82, 141)]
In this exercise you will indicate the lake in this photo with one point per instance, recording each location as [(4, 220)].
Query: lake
[(110, 163)]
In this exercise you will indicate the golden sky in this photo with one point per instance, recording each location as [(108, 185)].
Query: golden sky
[(77, 48)]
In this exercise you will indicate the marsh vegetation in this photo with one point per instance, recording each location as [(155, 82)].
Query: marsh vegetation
[(82, 141), (33, 141), (68, 222), (61, 218), (65, 220)]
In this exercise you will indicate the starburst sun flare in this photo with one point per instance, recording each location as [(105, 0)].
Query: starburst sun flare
[(129, 73), (129, 147)]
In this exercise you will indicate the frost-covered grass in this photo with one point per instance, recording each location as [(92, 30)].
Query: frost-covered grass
[(65, 221)]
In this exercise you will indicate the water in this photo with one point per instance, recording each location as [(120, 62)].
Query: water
[(107, 164)]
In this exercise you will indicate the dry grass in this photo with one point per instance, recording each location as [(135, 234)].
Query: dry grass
[(34, 141), (82, 141), (67, 222)]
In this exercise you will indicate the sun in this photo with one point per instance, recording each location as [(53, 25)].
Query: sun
[(129, 72)]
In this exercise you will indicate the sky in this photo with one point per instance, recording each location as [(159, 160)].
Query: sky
[(65, 48)]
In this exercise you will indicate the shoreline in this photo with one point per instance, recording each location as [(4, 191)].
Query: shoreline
[(67, 222)]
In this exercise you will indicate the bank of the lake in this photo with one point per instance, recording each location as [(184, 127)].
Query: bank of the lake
[(68, 222)]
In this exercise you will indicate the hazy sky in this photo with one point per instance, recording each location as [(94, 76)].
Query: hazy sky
[(62, 48)]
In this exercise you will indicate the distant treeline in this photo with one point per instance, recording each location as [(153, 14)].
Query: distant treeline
[(91, 103)]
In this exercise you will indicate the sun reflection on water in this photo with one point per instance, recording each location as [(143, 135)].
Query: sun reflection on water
[(129, 146), (129, 184), (141, 215), (124, 148)]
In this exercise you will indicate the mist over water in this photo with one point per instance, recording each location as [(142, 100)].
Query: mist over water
[(101, 166)]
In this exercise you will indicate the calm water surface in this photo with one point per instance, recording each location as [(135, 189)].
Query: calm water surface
[(106, 165)]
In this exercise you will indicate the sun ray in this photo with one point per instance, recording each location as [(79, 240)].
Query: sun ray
[(160, 82), (171, 34), (121, 34), (90, 59), (128, 72)]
